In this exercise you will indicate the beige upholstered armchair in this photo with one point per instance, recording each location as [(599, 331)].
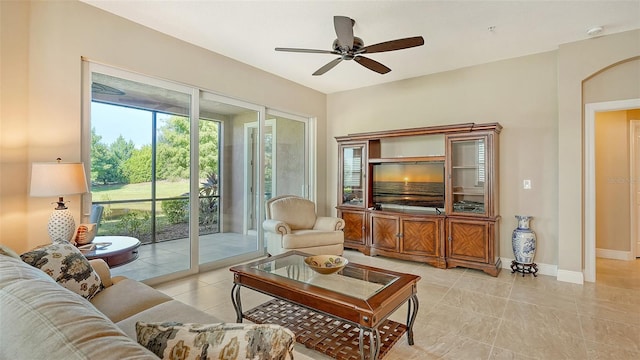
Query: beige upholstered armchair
[(292, 224)]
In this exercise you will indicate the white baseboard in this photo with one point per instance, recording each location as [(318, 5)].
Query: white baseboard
[(575, 277), (543, 269), (614, 254)]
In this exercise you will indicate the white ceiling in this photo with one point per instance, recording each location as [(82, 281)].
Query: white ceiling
[(456, 33)]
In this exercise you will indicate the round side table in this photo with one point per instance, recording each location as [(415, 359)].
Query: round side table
[(122, 250)]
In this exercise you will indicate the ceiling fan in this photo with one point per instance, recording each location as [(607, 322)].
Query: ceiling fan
[(350, 47)]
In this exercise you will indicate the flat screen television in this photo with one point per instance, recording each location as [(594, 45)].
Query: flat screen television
[(413, 185)]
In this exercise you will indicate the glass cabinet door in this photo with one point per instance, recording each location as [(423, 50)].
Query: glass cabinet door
[(352, 177), (468, 190)]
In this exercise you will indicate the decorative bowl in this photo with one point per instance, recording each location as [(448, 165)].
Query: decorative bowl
[(326, 264)]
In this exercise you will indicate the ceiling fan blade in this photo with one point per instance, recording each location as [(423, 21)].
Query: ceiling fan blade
[(330, 65), (393, 45), (372, 64), (308, 51), (344, 30)]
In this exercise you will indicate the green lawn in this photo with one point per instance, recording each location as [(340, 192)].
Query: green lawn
[(140, 191), (132, 218), (114, 212)]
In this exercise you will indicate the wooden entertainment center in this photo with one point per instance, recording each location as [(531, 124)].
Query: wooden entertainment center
[(463, 232)]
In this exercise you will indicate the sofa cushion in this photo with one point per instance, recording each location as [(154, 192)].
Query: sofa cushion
[(127, 297), (42, 320), (216, 341), (173, 310), (67, 266)]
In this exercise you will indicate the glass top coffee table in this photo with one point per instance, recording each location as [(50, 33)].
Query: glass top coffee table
[(358, 294)]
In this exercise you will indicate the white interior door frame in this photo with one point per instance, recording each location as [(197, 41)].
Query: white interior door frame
[(589, 226), (634, 185)]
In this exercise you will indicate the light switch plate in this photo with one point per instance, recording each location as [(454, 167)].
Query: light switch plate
[(526, 184)]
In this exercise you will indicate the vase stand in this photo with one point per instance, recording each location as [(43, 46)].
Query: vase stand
[(524, 268)]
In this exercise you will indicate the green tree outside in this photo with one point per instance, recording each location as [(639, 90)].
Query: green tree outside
[(121, 163), (137, 168)]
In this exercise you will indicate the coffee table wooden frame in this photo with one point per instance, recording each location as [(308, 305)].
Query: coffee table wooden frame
[(366, 314)]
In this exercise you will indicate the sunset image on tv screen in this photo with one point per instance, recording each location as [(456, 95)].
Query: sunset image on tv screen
[(416, 184)]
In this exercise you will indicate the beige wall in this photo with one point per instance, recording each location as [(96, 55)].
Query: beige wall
[(42, 46), (539, 101), (14, 58), (519, 93), (578, 62), (612, 185)]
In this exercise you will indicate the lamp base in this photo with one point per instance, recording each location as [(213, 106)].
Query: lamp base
[(61, 225)]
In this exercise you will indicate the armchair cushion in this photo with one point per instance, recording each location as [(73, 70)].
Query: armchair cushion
[(300, 239), (297, 212)]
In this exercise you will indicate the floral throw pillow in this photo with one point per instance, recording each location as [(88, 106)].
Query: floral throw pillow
[(67, 266), (173, 340)]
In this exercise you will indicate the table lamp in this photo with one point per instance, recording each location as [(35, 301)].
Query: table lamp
[(58, 179)]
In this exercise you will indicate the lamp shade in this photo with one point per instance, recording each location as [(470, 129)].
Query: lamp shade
[(57, 179)]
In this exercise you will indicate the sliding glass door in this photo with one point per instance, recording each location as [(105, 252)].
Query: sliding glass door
[(236, 184), (186, 171), (139, 161)]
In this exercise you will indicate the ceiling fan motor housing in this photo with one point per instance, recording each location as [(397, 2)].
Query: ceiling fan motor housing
[(357, 45)]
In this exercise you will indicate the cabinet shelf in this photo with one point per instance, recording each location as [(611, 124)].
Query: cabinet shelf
[(406, 159)]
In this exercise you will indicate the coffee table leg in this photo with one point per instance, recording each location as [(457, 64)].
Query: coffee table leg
[(374, 339), (411, 316), (237, 303), (374, 343)]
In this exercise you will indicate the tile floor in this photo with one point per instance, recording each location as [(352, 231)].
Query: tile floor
[(165, 257), (466, 314)]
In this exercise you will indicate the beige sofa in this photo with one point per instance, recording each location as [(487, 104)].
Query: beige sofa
[(40, 319)]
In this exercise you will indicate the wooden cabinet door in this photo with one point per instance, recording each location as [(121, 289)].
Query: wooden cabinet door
[(421, 236), (385, 232), (472, 174), (354, 227), (468, 240), (352, 184)]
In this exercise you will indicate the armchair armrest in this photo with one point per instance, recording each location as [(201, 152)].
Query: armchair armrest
[(101, 267), (327, 223), (276, 226)]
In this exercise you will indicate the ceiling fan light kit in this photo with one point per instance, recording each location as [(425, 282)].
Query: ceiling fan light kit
[(350, 47)]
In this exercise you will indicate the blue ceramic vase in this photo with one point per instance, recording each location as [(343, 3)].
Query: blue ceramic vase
[(523, 241)]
